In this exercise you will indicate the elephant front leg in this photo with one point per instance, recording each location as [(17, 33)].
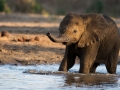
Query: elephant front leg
[(68, 60), (87, 58), (112, 61), (63, 65)]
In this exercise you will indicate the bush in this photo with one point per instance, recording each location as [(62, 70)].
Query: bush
[(36, 8), (2, 3), (24, 5)]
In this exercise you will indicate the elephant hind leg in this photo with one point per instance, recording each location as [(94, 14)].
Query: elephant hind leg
[(111, 64), (93, 68)]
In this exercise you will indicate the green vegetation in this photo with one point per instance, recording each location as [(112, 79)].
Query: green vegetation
[(97, 7), (4, 7), (35, 7), (60, 11), (2, 3)]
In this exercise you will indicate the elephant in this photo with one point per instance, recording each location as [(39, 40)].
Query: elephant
[(92, 37)]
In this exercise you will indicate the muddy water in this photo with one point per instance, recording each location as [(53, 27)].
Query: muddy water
[(46, 77)]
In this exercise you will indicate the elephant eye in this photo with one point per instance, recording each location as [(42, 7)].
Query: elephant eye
[(75, 31)]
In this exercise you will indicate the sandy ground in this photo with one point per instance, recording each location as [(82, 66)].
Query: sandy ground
[(21, 47)]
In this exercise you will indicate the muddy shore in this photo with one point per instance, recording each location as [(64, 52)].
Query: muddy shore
[(27, 43)]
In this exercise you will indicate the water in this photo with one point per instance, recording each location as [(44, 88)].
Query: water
[(13, 78)]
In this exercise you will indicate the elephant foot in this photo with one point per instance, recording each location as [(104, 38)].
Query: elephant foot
[(111, 70), (63, 69)]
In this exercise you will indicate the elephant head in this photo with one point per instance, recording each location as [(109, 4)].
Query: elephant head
[(82, 30)]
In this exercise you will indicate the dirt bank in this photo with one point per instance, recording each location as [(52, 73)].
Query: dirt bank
[(27, 42)]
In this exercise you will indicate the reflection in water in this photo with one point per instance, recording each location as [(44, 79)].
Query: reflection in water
[(91, 80), (83, 80), (46, 77)]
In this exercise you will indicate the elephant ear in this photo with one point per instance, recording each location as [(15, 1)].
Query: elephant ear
[(96, 29)]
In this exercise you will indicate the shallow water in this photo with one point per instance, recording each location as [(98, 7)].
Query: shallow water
[(13, 78)]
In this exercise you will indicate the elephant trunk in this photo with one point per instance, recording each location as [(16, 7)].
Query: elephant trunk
[(59, 39)]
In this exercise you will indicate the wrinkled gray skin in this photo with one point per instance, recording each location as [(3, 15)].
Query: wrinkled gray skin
[(94, 38)]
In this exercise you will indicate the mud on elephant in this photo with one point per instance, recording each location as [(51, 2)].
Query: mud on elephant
[(94, 38)]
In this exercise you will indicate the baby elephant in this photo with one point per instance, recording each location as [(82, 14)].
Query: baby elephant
[(94, 38)]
